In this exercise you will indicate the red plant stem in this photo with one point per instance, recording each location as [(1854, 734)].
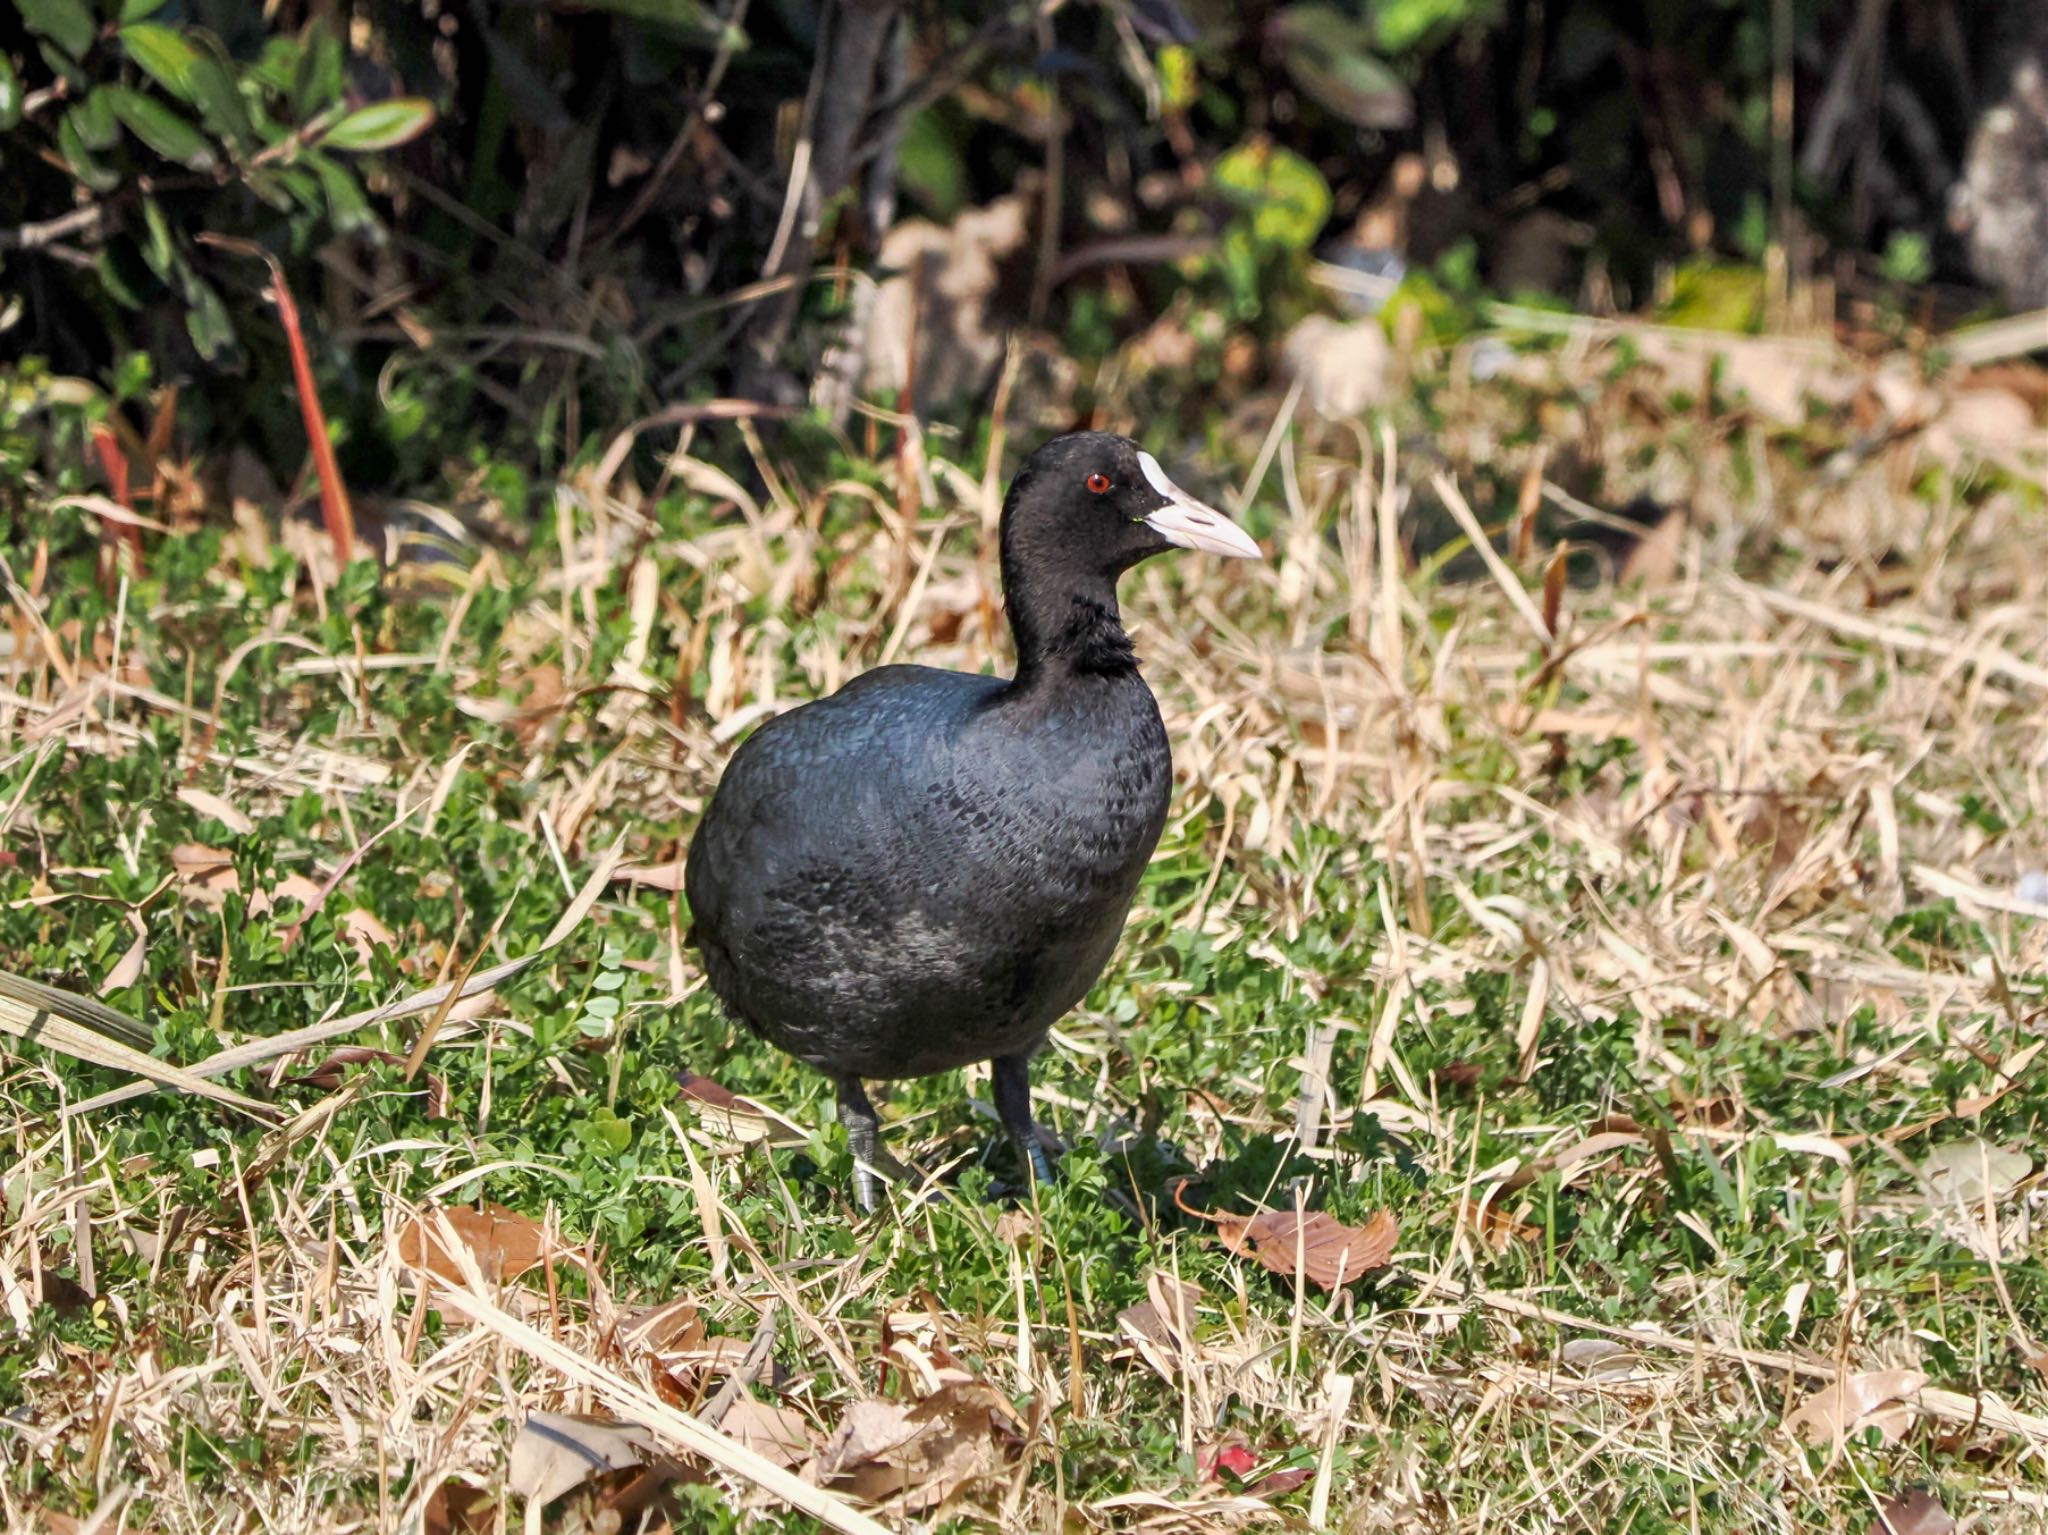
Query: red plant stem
[(334, 508), (115, 463)]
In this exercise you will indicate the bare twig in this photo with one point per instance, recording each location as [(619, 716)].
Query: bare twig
[(728, 36), (86, 220), (759, 1347)]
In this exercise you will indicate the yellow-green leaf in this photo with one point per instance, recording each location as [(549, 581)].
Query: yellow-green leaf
[(381, 125), (1287, 196), (10, 94), (163, 55)]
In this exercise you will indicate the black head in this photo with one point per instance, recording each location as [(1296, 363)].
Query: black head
[(1084, 509), (1097, 503)]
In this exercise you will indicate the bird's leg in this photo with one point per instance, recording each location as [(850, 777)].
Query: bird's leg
[(864, 1138), (1012, 1084)]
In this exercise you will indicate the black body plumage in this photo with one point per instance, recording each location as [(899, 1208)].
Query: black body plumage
[(928, 868)]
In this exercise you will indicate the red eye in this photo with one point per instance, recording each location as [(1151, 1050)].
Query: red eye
[(1098, 482)]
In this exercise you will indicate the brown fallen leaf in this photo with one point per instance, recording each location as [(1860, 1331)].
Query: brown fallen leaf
[(655, 1344), (542, 701), (557, 1452), (1597, 1144), (692, 1364), (912, 1459), (1838, 1409), (1598, 1358), (655, 876), (295, 887), (363, 932), (725, 1113), (456, 1508), (1966, 1172), (206, 874), (1328, 1252), (1916, 1511), (127, 969), (702, 1089), (1497, 1225), (780, 1434), (1162, 1326), (504, 1243), (1776, 825), (1322, 1248), (210, 804), (1655, 558), (672, 1324), (329, 1074)]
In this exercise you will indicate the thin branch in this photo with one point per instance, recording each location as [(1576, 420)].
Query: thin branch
[(751, 1366), (729, 32), (948, 71), (87, 220)]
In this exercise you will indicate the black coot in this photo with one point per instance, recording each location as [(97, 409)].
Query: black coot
[(928, 868)]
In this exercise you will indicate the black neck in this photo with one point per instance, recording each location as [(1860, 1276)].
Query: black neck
[(1066, 624)]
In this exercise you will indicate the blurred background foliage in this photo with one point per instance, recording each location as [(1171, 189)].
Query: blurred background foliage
[(523, 222)]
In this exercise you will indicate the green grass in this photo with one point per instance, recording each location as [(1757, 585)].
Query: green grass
[(1767, 1196)]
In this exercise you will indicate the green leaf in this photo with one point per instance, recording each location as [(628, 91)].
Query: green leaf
[(161, 129), (1286, 195), (206, 321), (206, 317), (218, 97), (1399, 25), (277, 64), (346, 206), (1715, 295), (63, 66), (159, 253), (268, 185), (122, 272), (72, 147), (1907, 258), (303, 186), (316, 81), (163, 55), (381, 125), (1180, 76), (931, 164), (10, 94), (1329, 56), (135, 10), (67, 23), (96, 124), (689, 15)]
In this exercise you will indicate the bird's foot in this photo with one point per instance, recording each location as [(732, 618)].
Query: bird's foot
[(873, 1166), (1011, 1080), (1041, 1165)]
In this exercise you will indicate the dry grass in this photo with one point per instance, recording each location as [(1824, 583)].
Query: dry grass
[(1478, 833)]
